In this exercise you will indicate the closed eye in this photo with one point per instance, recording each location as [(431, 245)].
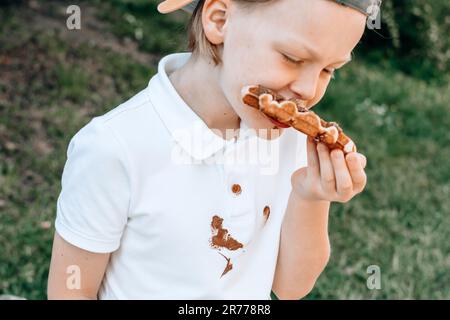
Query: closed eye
[(290, 60)]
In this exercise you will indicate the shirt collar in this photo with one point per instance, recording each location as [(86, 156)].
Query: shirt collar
[(185, 126)]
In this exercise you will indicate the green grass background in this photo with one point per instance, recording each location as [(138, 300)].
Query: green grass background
[(51, 86)]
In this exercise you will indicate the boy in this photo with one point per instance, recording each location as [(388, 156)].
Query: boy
[(151, 206)]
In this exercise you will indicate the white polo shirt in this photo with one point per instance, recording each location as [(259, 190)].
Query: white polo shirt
[(145, 181)]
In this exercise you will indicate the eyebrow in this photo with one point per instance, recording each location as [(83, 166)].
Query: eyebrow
[(313, 52)]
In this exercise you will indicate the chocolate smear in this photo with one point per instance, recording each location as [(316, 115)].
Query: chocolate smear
[(266, 213), (228, 267), (221, 238)]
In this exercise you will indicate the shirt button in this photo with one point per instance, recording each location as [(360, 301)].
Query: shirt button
[(236, 189)]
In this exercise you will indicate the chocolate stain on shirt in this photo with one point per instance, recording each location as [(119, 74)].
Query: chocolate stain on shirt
[(221, 238), (266, 213), (228, 267)]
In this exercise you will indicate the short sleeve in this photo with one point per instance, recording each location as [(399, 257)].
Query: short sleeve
[(92, 208)]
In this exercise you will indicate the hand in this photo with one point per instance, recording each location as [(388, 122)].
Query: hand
[(329, 176)]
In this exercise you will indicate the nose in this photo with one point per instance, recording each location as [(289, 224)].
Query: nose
[(304, 87)]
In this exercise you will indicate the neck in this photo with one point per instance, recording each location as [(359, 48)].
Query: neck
[(197, 82)]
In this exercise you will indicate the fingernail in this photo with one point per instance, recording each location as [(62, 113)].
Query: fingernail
[(364, 163)]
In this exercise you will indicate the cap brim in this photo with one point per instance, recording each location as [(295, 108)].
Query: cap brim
[(168, 6)]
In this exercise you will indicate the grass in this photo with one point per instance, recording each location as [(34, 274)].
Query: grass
[(141, 22), (50, 87)]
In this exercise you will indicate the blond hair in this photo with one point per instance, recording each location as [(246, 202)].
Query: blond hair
[(198, 43)]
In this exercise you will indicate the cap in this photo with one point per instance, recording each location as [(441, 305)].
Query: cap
[(167, 6)]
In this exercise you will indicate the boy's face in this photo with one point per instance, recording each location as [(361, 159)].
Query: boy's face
[(319, 34)]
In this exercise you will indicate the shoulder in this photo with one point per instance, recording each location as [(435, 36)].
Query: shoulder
[(128, 116), (126, 126)]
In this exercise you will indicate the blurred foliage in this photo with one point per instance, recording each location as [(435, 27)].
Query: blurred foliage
[(5, 3), (414, 36), (140, 21)]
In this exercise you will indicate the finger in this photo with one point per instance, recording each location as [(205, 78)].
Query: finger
[(327, 177), (344, 184), (356, 170), (313, 159), (363, 160)]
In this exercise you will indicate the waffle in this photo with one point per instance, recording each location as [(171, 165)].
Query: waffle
[(293, 113)]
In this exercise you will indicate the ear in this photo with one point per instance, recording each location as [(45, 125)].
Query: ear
[(215, 15)]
